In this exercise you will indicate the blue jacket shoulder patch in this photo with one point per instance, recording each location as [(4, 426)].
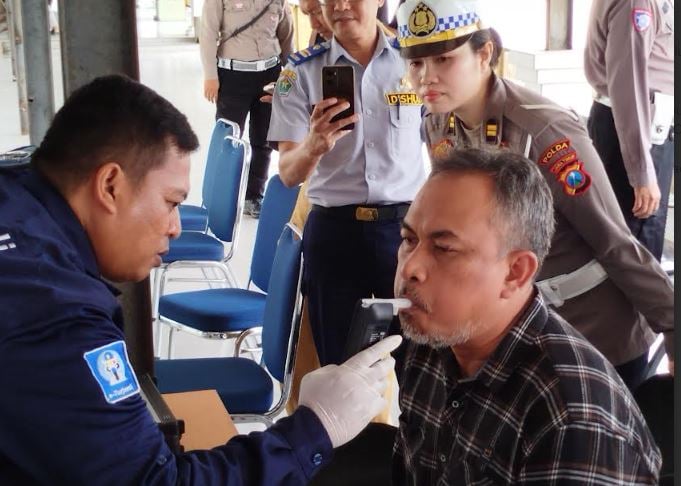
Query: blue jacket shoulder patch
[(308, 53)]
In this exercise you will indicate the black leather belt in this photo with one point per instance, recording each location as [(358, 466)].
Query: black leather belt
[(365, 213)]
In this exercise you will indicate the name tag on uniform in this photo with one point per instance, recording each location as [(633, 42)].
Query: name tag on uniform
[(111, 368), (403, 99)]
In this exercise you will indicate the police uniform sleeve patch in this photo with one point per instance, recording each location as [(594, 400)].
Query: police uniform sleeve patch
[(641, 18), (558, 166), (441, 149), (287, 79), (555, 150), (575, 179), (111, 369), (563, 162)]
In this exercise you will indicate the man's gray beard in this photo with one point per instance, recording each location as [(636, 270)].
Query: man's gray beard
[(460, 335)]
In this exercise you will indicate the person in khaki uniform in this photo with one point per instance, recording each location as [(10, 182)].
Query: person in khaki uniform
[(596, 276), (243, 44), (629, 62)]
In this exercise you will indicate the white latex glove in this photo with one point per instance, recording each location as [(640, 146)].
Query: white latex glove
[(347, 397)]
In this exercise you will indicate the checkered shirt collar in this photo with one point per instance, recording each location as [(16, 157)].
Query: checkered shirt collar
[(515, 348)]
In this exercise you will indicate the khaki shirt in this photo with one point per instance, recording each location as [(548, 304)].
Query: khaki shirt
[(271, 35), (629, 54), (615, 316)]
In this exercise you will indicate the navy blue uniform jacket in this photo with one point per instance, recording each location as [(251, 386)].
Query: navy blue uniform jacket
[(56, 427)]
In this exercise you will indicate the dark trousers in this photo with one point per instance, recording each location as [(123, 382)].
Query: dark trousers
[(239, 95), (345, 260), (649, 231), (633, 372)]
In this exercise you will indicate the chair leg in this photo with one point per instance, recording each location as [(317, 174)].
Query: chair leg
[(239, 341), (204, 271), (158, 343), (231, 277), (157, 325), (171, 333)]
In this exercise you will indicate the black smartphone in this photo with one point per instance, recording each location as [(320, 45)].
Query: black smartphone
[(339, 82), (371, 321)]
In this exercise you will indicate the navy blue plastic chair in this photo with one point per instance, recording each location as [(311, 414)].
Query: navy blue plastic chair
[(227, 313), (194, 249), (245, 387), (195, 218)]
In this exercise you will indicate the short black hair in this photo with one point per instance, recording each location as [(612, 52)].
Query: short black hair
[(112, 118), (524, 204)]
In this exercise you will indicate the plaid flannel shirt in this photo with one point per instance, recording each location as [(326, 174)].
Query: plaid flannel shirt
[(546, 408)]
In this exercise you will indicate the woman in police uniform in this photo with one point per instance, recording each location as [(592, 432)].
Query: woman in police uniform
[(596, 276)]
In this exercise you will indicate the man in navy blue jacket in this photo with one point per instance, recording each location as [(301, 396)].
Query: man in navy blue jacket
[(99, 200)]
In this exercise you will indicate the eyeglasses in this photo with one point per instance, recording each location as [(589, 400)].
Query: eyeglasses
[(332, 3)]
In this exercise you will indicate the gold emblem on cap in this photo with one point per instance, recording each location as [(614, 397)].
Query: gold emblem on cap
[(422, 20)]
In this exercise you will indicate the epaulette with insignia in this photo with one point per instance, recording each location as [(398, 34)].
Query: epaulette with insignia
[(308, 53)]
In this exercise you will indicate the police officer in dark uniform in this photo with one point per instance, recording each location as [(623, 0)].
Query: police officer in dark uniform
[(100, 201), (243, 43)]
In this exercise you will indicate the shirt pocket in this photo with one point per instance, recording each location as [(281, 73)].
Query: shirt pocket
[(235, 6), (667, 18), (411, 436), (405, 135)]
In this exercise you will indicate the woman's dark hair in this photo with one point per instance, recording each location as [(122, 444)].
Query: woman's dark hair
[(479, 38), (112, 118)]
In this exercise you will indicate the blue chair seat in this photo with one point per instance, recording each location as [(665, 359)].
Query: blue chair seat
[(243, 385), (193, 218), (192, 245), (217, 310)]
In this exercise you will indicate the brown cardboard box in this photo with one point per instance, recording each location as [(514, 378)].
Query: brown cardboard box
[(206, 422)]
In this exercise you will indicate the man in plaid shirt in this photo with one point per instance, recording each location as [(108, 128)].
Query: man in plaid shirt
[(495, 388)]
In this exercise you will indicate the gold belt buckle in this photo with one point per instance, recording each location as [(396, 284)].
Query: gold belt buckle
[(366, 214)]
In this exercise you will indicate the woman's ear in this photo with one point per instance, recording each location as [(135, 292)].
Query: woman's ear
[(486, 52)]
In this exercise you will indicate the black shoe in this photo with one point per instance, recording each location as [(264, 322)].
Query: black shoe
[(252, 208)]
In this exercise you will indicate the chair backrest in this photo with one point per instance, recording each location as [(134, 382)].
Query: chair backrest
[(227, 196), (221, 129), (283, 304), (277, 206)]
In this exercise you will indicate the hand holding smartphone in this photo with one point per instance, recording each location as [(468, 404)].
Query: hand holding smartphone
[(370, 323), (338, 81)]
